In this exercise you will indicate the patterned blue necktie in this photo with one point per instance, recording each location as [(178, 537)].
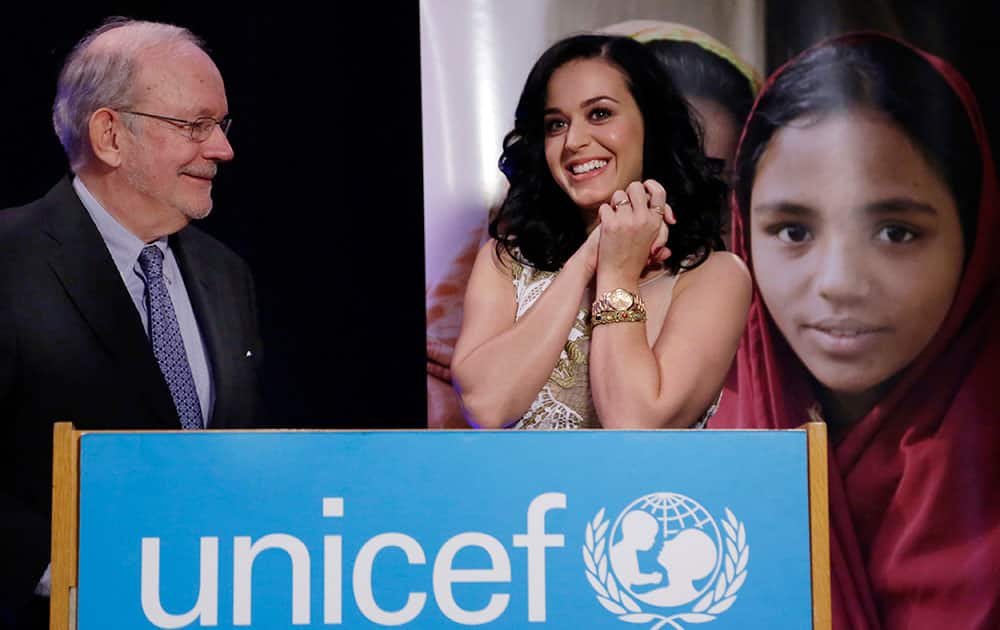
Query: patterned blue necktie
[(168, 345)]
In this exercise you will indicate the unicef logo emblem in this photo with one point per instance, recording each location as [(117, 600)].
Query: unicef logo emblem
[(665, 561)]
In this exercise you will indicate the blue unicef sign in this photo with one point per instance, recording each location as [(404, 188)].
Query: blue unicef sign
[(591, 529)]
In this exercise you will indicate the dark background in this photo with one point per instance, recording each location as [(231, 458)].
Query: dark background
[(966, 33), (324, 198)]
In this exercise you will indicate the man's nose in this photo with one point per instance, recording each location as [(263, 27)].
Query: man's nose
[(217, 147)]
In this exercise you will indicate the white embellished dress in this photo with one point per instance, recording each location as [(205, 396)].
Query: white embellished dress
[(565, 401)]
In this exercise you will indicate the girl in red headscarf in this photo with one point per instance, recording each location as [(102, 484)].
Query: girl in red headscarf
[(866, 206)]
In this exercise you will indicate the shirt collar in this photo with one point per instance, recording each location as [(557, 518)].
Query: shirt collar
[(123, 245)]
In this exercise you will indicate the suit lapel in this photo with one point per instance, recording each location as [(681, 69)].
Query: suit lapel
[(208, 293), (88, 274)]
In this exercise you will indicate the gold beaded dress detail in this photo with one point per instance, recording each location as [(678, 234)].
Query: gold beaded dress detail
[(565, 401)]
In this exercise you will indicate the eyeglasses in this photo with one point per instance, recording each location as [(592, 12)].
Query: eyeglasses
[(198, 129)]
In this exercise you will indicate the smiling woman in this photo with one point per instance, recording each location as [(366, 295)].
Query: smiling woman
[(867, 202), (602, 299), (593, 133)]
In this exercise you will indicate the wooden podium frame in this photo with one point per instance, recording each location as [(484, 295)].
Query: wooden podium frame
[(66, 505)]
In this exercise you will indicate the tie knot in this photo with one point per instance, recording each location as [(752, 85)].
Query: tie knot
[(151, 261)]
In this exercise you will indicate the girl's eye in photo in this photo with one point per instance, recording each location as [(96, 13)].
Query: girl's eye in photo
[(896, 234), (791, 233)]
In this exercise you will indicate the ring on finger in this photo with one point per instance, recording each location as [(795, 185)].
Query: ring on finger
[(620, 203), (660, 210)]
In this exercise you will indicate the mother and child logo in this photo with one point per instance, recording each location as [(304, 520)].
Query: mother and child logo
[(669, 561)]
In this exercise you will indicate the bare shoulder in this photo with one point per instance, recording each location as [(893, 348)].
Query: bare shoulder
[(496, 257), (724, 271), (490, 304), (713, 298)]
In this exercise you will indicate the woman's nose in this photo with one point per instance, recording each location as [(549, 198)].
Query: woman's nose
[(577, 136)]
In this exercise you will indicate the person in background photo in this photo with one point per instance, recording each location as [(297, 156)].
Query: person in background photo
[(115, 313), (867, 207), (586, 309), (719, 87)]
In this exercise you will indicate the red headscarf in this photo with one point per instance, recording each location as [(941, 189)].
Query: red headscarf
[(915, 484)]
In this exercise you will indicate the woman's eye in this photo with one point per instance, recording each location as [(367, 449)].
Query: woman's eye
[(554, 125), (896, 234), (600, 113), (793, 233)]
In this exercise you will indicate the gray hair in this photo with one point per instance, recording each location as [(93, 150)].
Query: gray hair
[(96, 76)]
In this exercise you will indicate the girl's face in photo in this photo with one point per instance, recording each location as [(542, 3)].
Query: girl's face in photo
[(722, 131), (593, 131), (856, 247)]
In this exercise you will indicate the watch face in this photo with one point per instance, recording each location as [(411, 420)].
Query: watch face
[(620, 299)]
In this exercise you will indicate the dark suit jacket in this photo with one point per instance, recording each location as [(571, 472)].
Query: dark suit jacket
[(72, 347)]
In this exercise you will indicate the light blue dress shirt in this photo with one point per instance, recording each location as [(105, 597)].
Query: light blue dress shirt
[(124, 248)]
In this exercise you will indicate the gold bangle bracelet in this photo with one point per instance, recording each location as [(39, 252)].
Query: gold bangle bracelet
[(615, 317)]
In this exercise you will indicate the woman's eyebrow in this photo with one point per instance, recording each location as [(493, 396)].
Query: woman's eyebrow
[(592, 100), (587, 103)]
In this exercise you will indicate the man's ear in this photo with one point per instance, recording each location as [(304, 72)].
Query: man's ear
[(104, 127)]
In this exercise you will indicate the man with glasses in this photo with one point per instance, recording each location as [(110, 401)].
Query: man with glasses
[(115, 313)]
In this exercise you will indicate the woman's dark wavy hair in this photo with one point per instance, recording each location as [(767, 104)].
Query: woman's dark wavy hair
[(539, 225), (885, 75)]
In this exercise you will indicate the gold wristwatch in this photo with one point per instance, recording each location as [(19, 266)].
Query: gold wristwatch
[(619, 305)]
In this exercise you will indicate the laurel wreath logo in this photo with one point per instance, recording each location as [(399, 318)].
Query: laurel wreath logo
[(712, 604)]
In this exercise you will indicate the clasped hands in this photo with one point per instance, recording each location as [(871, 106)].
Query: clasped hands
[(632, 234)]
